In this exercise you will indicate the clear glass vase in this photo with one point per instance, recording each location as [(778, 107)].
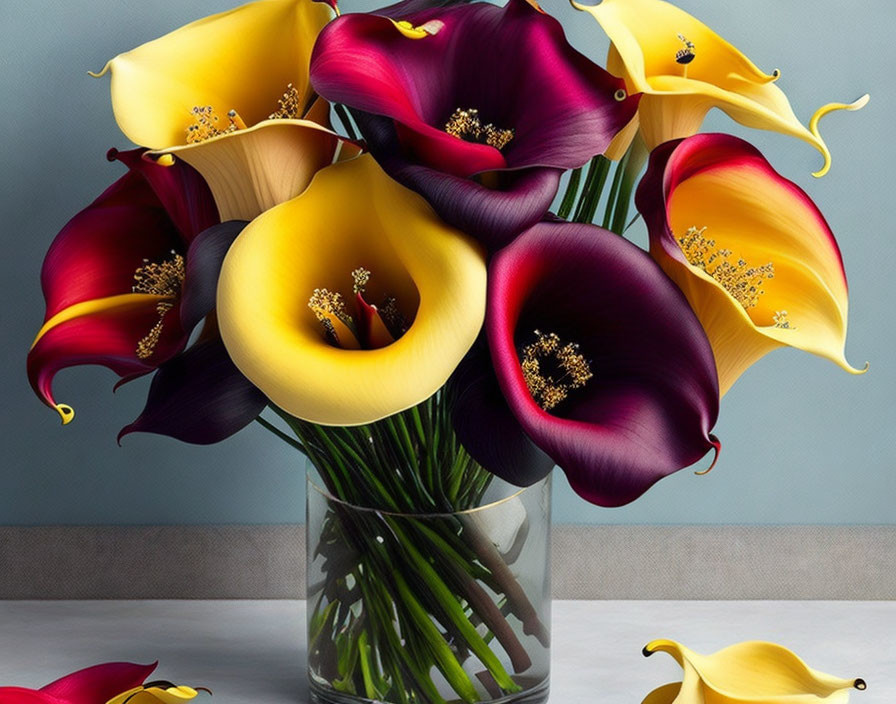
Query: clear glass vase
[(415, 608)]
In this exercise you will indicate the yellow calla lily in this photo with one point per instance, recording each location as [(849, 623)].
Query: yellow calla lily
[(749, 249), (230, 94), (684, 69), (757, 672), (296, 259)]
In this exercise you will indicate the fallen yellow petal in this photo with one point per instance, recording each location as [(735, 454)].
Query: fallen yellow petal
[(756, 671)]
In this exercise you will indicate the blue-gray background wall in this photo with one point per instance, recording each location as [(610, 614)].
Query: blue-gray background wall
[(803, 441)]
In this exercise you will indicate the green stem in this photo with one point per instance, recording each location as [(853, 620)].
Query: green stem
[(569, 197), (345, 120), (614, 191), (280, 434)]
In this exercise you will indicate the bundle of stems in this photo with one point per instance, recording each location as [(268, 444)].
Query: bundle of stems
[(411, 585)]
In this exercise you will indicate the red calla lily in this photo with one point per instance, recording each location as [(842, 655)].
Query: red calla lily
[(125, 282)]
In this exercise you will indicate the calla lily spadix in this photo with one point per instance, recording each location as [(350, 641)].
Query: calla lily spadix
[(125, 282), (353, 301), (684, 69), (750, 250), (230, 95), (599, 360), (480, 110), (754, 672), (109, 683)]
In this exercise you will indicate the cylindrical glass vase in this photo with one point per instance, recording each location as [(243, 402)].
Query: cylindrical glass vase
[(427, 608)]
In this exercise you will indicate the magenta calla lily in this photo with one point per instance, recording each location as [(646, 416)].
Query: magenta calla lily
[(126, 281), (599, 359), (92, 685), (480, 110)]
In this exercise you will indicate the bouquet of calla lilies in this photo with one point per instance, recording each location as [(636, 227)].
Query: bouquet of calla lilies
[(398, 292)]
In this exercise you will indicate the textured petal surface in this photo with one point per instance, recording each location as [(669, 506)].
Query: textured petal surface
[(494, 216), (645, 41), (653, 398), (242, 60), (755, 671), (199, 396), (98, 683), (487, 427), (511, 63), (725, 185), (351, 215)]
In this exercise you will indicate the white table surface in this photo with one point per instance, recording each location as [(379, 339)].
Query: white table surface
[(253, 652)]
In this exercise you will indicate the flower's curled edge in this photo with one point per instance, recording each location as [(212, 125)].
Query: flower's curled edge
[(684, 69)]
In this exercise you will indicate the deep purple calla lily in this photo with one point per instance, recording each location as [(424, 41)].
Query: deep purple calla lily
[(627, 392), (126, 281), (542, 107)]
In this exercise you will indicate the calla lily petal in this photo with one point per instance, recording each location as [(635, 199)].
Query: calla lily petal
[(164, 693), (542, 107), (208, 93), (492, 216), (352, 215), (104, 331), (204, 260), (95, 314), (684, 69), (724, 185), (254, 169), (126, 281), (648, 395), (180, 190), (242, 59), (109, 683), (362, 61), (757, 672), (486, 426), (99, 683), (199, 396)]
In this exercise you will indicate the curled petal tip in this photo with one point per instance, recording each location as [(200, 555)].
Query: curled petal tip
[(102, 72), (66, 412), (860, 684), (717, 448), (816, 118)]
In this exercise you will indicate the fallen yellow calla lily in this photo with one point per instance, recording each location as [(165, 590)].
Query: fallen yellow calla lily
[(230, 94), (352, 219), (156, 693), (750, 250), (757, 672), (684, 69)]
